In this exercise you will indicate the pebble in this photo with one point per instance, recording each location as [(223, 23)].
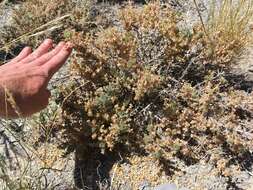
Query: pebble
[(166, 187)]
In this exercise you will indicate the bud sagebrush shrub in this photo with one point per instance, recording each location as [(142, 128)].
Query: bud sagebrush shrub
[(147, 87)]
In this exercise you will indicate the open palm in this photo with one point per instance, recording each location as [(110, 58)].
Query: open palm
[(24, 80)]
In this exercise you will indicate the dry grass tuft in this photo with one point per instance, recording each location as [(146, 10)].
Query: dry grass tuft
[(229, 28)]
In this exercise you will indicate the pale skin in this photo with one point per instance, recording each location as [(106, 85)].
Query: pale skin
[(25, 79)]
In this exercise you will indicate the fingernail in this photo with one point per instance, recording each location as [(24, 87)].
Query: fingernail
[(48, 41), (27, 48), (68, 46), (61, 43)]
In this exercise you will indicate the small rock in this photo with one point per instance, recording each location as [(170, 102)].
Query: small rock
[(166, 187), (145, 186)]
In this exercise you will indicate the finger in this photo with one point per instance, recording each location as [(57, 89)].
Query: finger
[(23, 54), (41, 50), (54, 64), (46, 57)]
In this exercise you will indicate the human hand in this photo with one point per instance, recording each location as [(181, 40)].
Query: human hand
[(24, 80)]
